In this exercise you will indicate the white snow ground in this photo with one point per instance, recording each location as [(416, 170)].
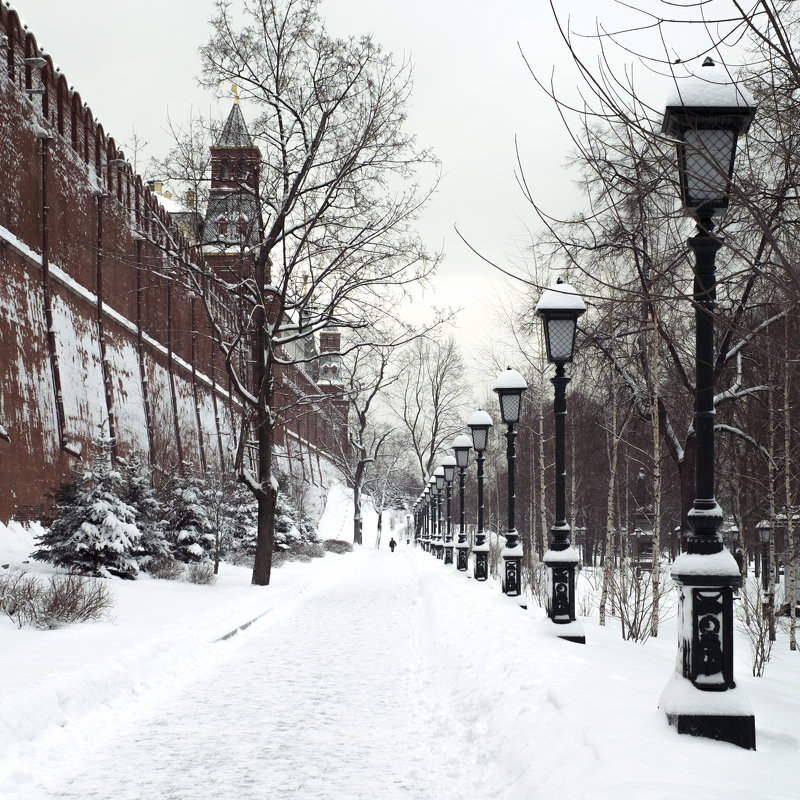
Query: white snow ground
[(368, 675)]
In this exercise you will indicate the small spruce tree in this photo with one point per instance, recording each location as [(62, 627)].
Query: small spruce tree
[(187, 523), (138, 492), (92, 530)]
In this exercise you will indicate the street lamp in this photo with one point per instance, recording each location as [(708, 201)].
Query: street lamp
[(438, 475), (764, 530), (706, 115), (509, 387), (434, 492), (560, 306), (479, 423), (768, 575), (462, 444), (449, 467), (426, 530)]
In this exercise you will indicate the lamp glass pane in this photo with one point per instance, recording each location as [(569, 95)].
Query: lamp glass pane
[(440, 482), (509, 405), (708, 159), (561, 333), (479, 437), (462, 458)]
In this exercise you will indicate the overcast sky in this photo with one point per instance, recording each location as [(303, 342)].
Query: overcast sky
[(135, 63)]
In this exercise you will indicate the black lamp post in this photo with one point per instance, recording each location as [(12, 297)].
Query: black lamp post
[(479, 423), (438, 475), (767, 576), (462, 444), (434, 491), (509, 387), (560, 306), (429, 515), (764, 530), (449, 467), (706, 115)]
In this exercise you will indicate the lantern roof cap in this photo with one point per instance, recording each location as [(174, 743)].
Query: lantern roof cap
[(449, 461), (462, 440), (560, 297), (479, 418), (509, 379), (438, 472), (712, 86)]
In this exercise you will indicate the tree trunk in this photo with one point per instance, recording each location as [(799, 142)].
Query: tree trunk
[(542, 484), (787, 479), (656, 423), (358, 485), (613, 453), (380, 530), (267, 494)]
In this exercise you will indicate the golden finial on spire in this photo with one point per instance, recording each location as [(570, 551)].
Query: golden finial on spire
[(235, 90)]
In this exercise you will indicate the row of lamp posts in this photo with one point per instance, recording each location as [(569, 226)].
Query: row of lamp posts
[(559, 308), (705, 118)]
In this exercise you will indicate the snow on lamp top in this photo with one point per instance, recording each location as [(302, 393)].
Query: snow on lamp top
[(479, 418), (560, 297), (712, 86)]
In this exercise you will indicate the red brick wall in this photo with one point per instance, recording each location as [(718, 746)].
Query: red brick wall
[(32, 459)]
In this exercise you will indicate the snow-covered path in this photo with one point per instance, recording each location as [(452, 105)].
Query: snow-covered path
[(325, 697), (369, 675)]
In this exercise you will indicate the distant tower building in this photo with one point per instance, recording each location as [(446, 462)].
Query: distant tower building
[(330, 361), (231, 222)]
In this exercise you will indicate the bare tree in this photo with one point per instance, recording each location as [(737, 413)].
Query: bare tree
[(330, 238), (431, 397)]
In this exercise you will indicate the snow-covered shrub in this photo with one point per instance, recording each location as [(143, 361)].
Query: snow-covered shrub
[(56, 600), (187, 526), (138, 492), (91, 530), (337, 546), (166, 568), (201, 572)]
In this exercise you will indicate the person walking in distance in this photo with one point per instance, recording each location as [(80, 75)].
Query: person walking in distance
[(392, 544)]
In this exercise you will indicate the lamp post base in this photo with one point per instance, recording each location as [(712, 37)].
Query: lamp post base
[(481, 552), (448, 553), (462, 556), (561, 594), (740, 731), (725, 716), (512, 570)]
